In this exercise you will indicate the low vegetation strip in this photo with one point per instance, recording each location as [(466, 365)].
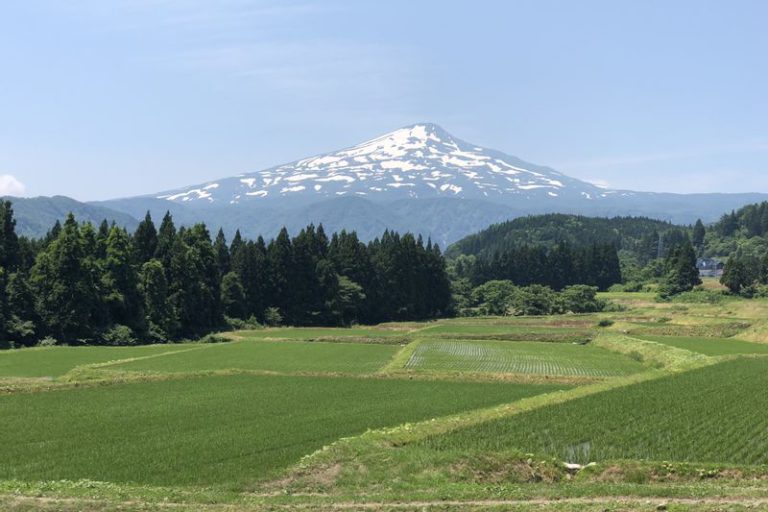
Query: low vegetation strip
[(710, 346), (519, 357), (650, 352), (214, 430), (712, 414), (57, 361), (305, 333), (294, 356)]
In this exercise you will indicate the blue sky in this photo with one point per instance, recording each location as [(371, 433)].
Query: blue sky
[(103, 99)]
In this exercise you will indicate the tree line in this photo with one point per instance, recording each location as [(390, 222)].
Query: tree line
[(87, 284), (642, 238), (557, 267)]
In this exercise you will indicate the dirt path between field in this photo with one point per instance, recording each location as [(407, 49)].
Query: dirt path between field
[(15, 502)]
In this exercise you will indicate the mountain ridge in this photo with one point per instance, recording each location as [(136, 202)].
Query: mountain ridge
[(418, 161), (418, 178)]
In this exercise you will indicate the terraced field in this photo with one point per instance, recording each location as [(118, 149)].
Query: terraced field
[(519, 357), (228, 430), (56, 361), (304, 333), (710, 346), (494, 330), (713, 414), (287, 356)]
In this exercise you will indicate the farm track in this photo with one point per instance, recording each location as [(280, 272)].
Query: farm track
[(14, 503)]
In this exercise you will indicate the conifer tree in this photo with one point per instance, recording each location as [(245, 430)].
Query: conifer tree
[(698, 234), (145, 240), (63, 282)]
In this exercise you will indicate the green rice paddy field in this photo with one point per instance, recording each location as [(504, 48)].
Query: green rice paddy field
[(256, 412), (213, 430), (710, 346), (713, 414), (289, 356), (520, 357), (56, 361)]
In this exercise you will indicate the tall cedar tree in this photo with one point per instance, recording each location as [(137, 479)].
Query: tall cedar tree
[(145, 240)]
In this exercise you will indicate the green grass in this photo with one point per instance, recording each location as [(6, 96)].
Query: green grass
[(56, 361), (714, 414), (288, 356), (520, 357), (307, 333), (710, 346), (226, 430), (459, 329)]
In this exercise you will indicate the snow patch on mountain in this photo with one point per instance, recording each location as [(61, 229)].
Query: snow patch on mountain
[(418, 161)]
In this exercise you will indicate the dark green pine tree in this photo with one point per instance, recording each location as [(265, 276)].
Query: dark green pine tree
[(9, 241), (195, 282), (681, 272), (698, 234), (100, 240), (166, 238), (120, 282), (221, 250), (233, 300), (280, 270), (22, 320), (735, 275), (308, 304), (159, 313), (145, 240), (351, 259), (5, 316), (62, 279)]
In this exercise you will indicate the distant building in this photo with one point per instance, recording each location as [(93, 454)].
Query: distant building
[(709, 267)]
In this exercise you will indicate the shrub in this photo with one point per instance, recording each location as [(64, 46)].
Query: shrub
[(237, 324), (581, 299), (119, 335), (699, 296), (214, 338), (48, 341), (605, 322), (272, 317)]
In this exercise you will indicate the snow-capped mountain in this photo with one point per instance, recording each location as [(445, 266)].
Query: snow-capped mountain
[(421, 161), (419, 179)]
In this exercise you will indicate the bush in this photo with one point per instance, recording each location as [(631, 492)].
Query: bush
[(536, 300), (119, 335), (272, 317), (237, 324), (605, 322), (48, 341), (699, 296), (214, 338), (156, 334), (629, 286), (581, 299)]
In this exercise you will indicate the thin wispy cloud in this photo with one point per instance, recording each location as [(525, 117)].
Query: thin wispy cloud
[(260, 43), (311, 68)]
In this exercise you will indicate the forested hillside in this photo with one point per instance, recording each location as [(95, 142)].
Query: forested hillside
[(741, 231), (35, 215), (83, 284), (638, 236)]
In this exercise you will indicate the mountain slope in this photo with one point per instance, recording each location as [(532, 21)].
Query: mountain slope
[(36, 216), (638, 235), (418, 178), (421, 161)]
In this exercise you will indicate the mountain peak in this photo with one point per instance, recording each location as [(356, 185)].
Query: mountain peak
[(421, 160)]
